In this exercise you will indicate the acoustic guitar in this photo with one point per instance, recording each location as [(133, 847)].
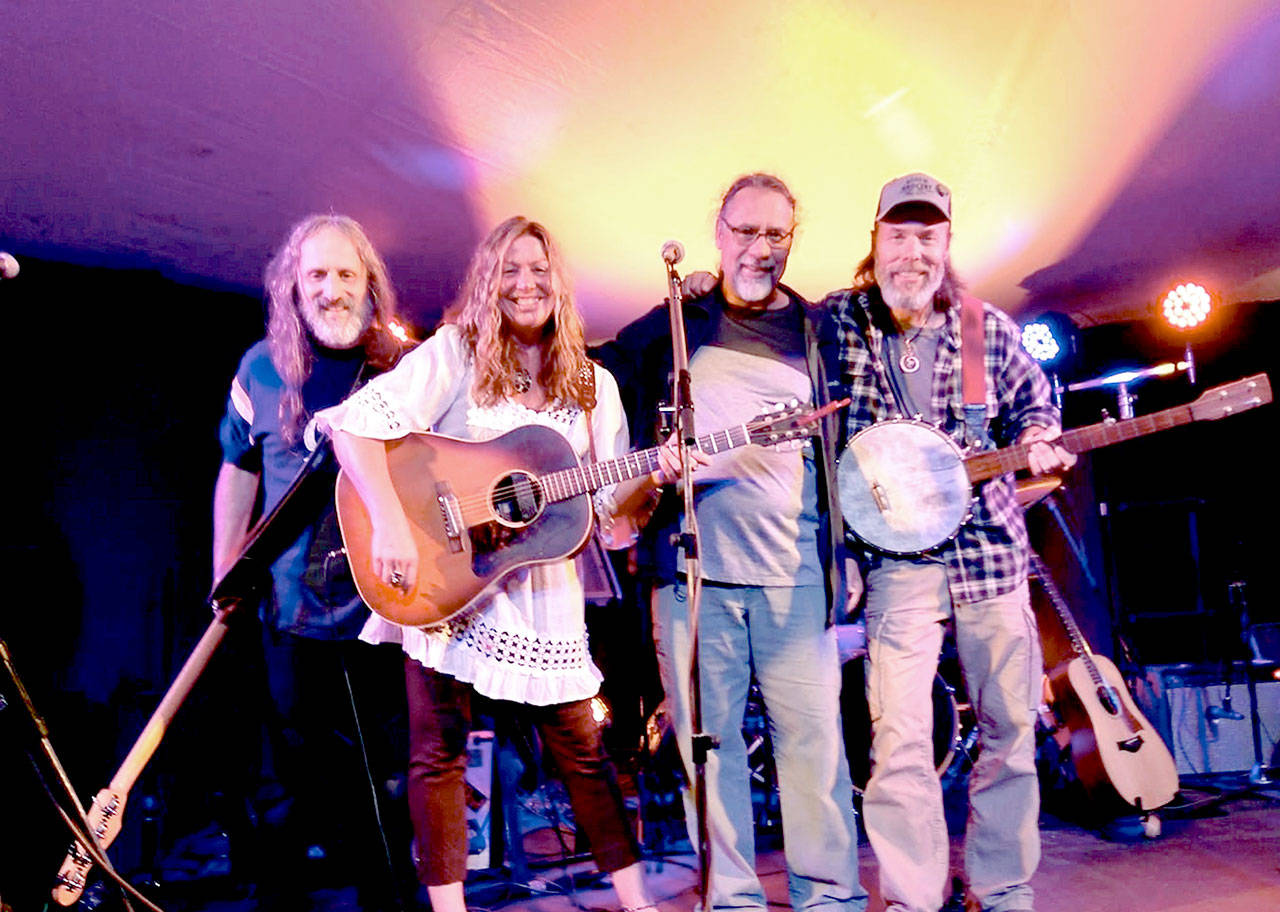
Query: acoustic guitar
[(1116, 752), (906, 487), (480, 509)]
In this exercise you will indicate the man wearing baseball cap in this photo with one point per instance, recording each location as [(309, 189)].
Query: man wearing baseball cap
[(900, 332)]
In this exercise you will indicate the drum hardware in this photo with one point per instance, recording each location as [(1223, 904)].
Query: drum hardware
[(953, 737)]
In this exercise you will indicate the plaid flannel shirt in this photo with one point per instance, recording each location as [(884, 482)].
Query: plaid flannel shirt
[(988, 557)]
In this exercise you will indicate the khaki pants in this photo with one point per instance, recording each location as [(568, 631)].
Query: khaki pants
[(907, 604)]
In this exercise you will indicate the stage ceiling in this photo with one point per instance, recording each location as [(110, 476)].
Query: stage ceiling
[(1099, 150)]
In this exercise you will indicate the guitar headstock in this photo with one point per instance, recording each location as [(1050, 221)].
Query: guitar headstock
[(788, 421), (1230, 398), (104, 819)]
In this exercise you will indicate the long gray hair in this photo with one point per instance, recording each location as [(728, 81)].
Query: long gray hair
[(287, 339)]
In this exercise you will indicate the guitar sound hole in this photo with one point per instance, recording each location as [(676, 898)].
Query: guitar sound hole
[(517, 499)]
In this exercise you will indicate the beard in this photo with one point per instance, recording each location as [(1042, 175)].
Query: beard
[(909, 301), (753, 289), (339, 322)]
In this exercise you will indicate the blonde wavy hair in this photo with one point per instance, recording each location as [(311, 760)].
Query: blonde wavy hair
[(565, 374), (291, 349)]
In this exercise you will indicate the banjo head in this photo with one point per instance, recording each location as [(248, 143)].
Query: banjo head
[(903, 486)]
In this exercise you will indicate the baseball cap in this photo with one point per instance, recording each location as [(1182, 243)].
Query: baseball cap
[(915, 188)]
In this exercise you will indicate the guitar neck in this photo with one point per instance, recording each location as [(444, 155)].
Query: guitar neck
[(567, 483), (982, 466), (1063, 610)]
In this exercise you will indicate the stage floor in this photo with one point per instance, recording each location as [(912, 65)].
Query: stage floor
[(1215, 853), (1219, 855), (1230, 861)]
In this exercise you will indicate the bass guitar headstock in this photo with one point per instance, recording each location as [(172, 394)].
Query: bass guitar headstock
[(104, 823)]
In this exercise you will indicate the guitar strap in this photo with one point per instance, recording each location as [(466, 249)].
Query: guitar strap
[(973, 370), (599, 582)]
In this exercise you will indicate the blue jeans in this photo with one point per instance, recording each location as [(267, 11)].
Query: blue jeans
[(907, 605), (780, 633)]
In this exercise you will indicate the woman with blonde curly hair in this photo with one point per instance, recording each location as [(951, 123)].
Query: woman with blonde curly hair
[(510, 353)]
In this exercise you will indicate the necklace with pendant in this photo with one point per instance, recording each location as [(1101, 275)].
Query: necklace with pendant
[(521, 381), (909, 361)]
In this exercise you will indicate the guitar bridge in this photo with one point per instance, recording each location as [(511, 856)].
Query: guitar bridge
[(1131, 745), (451, 515)]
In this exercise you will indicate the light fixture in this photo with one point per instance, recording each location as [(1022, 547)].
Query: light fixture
[(1186, 306), (1039, 341), (399, 331), (1051, 339)]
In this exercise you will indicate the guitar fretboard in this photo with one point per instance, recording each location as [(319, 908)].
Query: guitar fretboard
[(1218, 402), (568, 483), (1078, 643), (982, 466)]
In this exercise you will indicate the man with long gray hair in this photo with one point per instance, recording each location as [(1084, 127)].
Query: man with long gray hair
[(330, 306)]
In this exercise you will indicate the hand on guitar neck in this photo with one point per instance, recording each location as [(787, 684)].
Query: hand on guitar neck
[(1043, 456), (637, 498)]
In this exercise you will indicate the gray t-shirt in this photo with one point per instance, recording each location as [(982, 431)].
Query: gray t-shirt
[(757, 506), (918, 383)]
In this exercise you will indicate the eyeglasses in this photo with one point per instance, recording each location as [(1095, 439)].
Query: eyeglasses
[(746, 234)]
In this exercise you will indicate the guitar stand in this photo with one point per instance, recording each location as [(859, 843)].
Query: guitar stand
[(1148, 820)]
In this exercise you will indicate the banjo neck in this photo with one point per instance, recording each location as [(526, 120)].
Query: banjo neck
[(1218, 402)]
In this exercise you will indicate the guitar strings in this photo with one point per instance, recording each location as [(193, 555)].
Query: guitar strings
[(539, 483), (642, 459)]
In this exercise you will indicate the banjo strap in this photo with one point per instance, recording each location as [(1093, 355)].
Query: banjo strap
[(973, 371)]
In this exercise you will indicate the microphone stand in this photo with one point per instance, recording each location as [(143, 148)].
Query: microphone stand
[(702, 742)]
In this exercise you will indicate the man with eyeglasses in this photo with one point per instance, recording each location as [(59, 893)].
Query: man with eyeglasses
[(771, 561)]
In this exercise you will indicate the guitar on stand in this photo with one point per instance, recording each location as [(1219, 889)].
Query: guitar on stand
[(1121, 760)]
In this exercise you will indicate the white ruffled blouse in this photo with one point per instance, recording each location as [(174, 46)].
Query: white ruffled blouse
[(527, 640)]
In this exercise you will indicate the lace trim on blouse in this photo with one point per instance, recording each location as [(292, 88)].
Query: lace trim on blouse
[(525, 652)]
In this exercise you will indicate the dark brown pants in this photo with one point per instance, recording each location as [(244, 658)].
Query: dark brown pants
[(439, 720)]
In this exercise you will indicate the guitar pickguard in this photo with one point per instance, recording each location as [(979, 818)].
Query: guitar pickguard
[(558, 532)]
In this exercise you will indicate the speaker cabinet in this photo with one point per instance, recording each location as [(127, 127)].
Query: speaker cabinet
[(1201, 740)]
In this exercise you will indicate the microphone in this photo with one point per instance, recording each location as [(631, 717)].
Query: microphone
[(9, 266), (1214, 713), (672, 253)]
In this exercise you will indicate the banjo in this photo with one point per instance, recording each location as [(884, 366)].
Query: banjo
[(906, 487)]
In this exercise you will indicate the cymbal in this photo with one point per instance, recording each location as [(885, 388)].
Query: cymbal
[(1030, 491)]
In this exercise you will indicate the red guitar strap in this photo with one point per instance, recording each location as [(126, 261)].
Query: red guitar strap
[(973, 370)]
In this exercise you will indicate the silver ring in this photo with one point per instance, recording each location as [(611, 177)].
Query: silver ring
[(397, 578)]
